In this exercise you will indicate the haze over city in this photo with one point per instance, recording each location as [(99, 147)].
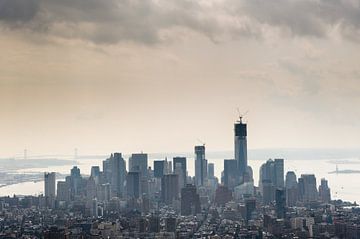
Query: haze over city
[(158, 75)]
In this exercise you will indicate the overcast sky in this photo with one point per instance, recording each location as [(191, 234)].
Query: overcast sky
[(156, 75)]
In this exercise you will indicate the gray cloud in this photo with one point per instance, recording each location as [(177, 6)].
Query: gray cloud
[(112, 21), (15, 11)]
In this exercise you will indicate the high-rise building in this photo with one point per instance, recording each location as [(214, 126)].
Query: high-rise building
[(271, 177), (324, 191), (181, 161), (49, 183), (211, 170), (159, 168), (63, 191), (95, 171), (309, 189), (139, 162), (290, 180), (222, 195), (104, 192), (279, 173), (291, 187), (190, 200), (200, 165), (75, 182), (230, 173), (267, 192), (169, 188), (118, 176), (250, 206), (241, 147), (133, 184), (114, 169), (280, 203)]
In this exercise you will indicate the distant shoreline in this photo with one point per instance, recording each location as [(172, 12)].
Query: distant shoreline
[(346, 171)]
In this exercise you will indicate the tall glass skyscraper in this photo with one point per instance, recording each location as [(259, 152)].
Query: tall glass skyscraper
[(200, 165), (241, 147)]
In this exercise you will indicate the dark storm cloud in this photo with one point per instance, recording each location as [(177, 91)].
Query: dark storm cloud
[(112, 21), (13, 11), (306, 17)]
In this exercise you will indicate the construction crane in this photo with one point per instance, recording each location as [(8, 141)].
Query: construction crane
[(202, 142), (241, 115)]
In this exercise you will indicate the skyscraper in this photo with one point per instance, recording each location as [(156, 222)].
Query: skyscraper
[(310, 192), (230, 173), (181, 161), (49, 183), (241, 147), (279, 173), (200, 165), (139, 162), (133, 184), (95, 171), (280, 203), (115, 173), (290, 181), (324, 191), (211, 170), (169, 188), (271, 178), (190, 200), (159, 167), (291, 187)]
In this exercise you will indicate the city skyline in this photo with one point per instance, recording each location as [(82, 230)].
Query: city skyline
[(179, 119)]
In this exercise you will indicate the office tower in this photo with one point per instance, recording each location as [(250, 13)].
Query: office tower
[(190, 200), (159, 168), (290, 181), (49, 183), (90, 188), (118, 175), (182, 162), (114, 170), (63, 191), (133, 184), (222, 195), (240, 147), (200, 166), (271, 177), (291, 187), (301, 189), (279, 173), (324, 191), (267, 192), (169, 188), (179, 171), (280, 202), (75, 181), (104, 192), (250, 206), (94, 208), (139, 162), (95, 171), (211, 170), (75, 172), (310, 192), (230, 173)]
